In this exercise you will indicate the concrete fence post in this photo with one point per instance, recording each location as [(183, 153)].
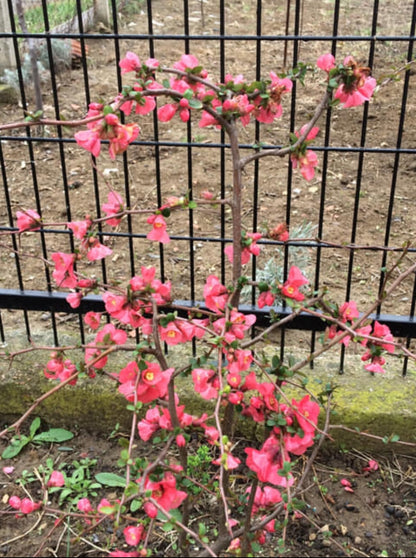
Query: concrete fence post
[(7, 55), (102, 12)]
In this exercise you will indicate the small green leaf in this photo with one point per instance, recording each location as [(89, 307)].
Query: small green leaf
[(54, 435), (111, 479), (34, 427), (15, 447)]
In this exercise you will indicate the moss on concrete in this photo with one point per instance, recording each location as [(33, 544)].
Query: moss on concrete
[(8, 95), (382, 405)]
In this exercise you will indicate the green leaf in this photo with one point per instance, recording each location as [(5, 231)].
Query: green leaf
[(135, 505), (111, 479), (15, 447), (192, 205), (34, 427), (195, 103), (54, 435)]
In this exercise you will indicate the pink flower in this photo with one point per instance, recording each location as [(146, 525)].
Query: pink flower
[(113, 206), (130, 63), (134, 534), (28, 506), (372, 466), (290, 288), (355, 97), (74, 299), (215, 294), (180, 440), (158, 232), (269, 108), (356, 84), (8, 470), (15, 502), (305, 158), (79, 228), (89, 140), (267, 462), (152, 384), (206, 382), (347, 485), (266, 298), (165, 494), (96, 250), (28, 220), (250, 247), (56, 479), (228, 461), (348, 311), (84, 505), (92, 319), (326, 62), (64, 270)]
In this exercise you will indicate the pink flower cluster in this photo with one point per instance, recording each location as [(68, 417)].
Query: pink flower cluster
[(108, 128), (356, 85)]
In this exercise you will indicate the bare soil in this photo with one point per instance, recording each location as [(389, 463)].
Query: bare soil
[(379, 518)]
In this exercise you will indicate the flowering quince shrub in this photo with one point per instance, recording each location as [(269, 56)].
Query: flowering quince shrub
[(235, 379)]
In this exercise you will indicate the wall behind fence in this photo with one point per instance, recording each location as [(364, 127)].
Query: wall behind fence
[(362, 195)]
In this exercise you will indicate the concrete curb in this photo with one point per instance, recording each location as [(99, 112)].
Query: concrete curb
[(380, 405)]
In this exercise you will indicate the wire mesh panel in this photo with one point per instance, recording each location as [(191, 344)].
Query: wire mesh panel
[(360, 197)]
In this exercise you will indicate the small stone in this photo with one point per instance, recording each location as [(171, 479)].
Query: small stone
[(358, 540), (326, 542)]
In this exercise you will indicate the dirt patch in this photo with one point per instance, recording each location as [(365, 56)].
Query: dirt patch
[(377, 519)]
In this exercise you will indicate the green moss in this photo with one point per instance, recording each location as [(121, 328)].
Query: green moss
[(382, 405)]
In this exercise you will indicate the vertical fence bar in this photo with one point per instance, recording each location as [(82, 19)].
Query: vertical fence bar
[(396, 169), (335, 23)]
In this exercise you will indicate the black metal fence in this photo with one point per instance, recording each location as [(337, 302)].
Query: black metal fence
[(371, 166)]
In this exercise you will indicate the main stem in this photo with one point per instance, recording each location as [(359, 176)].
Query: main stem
[(231, 130)]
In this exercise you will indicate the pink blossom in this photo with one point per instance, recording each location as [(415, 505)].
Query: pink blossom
[(347, 485), (290, 288), (15, 502), (80, 228), (28, 506), (206, 382), (266, 298), (215, 294), (56, 479), (96, 250), (134, 534), (130, 63), (64, 270), (228, 461), (326, 62), (89, 140), (113, 206), (267, 461), (235, 327), (74, 299), (356, 97), (152, 384), (8, 470), (92, 319), (180, 440), (28, 220), (84, 505), (158, 232), (270, 108), (164, 493), (372, 466)]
